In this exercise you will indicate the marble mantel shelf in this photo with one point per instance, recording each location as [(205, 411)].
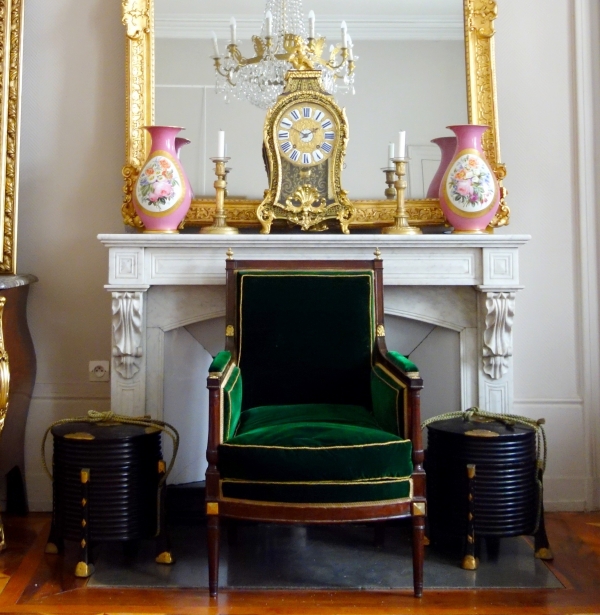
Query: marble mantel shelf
[(161, 282), (138, 261)]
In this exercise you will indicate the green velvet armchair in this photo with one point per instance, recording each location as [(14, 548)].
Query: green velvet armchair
[(312, 419)]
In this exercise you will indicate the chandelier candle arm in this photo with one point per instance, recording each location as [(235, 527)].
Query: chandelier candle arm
[(401, 225), (219, 225), (311, 25)]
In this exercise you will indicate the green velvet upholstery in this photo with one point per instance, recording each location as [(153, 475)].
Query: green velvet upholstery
[(287, 323), (232, 402), (306, 493), (315, 421), (318, 442), (404, 363), (220, 362), (388, 400)]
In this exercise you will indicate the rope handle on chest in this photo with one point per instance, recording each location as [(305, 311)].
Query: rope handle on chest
[(94, 416)]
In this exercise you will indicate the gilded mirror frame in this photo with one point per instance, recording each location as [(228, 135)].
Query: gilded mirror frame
[(138, 19), (11, 30)]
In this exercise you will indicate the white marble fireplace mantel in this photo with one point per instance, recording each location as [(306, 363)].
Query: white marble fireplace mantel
[(161, 282)]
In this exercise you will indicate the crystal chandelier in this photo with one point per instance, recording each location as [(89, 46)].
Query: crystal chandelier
[(283, 44)]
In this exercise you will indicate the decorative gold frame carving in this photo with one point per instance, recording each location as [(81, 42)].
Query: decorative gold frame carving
[(11, 28), (138, 18)]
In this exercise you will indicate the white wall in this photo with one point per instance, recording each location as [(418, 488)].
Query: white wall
[(408, 97), (72, 152)]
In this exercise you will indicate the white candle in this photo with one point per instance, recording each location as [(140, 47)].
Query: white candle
[(402, 145), (232, 27), (350, 52), (391, 154), (221, 144), (311, 24), (215, 44), (269, 22), (344, 35)]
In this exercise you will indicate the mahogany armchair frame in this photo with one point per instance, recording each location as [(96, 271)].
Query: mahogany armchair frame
[(218, 506)]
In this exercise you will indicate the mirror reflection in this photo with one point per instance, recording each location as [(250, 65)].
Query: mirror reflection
[(410, 75)]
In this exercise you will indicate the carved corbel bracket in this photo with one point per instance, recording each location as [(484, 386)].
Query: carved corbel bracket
[(127, 332), (497, 337)]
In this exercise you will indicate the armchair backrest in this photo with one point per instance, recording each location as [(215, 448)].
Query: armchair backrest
[(304, 332)]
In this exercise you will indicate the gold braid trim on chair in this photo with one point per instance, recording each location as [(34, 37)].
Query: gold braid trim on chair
[(94, 416), (508, 419)]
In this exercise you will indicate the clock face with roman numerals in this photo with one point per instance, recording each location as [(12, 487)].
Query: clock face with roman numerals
[(306, 134)]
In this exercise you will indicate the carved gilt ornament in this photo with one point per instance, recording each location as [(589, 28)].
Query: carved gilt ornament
[(11, 27)]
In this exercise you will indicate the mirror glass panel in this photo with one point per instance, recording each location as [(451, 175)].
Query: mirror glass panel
[(410, 75)]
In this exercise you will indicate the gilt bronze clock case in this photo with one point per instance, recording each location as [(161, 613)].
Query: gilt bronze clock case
[(305, 140)]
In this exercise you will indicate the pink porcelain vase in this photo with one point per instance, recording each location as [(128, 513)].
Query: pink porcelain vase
[(179, 143), (161, 193), (469, 192), (447, 146)]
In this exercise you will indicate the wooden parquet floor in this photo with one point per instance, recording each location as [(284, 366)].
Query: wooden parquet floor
[(33, 582)]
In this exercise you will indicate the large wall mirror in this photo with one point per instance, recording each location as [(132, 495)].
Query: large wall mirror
[(423, 65), (11, 24)]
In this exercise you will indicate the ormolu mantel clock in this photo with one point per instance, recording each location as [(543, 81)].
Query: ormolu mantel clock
[(305, 139)]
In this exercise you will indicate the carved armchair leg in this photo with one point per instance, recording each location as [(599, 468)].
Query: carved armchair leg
[(418, 546), (213, 536)]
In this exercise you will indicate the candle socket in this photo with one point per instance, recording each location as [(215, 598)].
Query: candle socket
[(390, 191), (219, 225), (401, 225)]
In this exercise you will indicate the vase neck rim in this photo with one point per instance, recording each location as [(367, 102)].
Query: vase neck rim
[(473, 128), (173, 129), (443, 140)]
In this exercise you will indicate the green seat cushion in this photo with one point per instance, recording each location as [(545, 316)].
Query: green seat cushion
[(313, 442), (319, 492)]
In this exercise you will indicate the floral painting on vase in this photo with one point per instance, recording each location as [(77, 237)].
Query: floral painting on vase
[(470, 186), (160, 186)]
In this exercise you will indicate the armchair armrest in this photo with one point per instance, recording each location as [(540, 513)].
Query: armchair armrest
[(395, 385), (406, 374), (225, 386), (219, 365), (404, 363)]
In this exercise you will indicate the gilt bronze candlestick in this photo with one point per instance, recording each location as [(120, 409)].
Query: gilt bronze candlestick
[(219, 225), (401, 225), (390, 191)]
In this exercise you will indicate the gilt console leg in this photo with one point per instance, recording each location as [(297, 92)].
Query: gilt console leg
[(213, 536)]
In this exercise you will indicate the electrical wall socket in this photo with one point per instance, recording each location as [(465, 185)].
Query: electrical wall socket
[(99, 371)]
